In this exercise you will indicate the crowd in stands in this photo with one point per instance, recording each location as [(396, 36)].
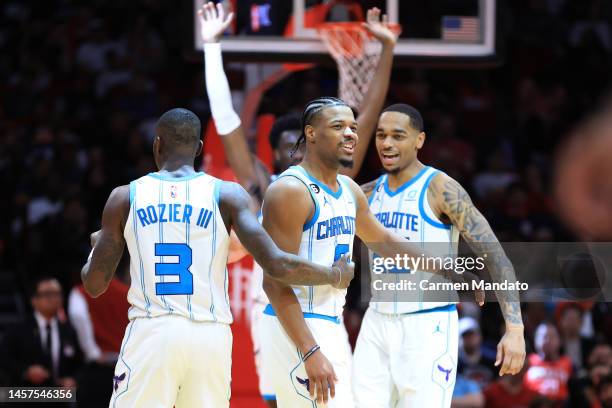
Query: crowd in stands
[(82, 83)]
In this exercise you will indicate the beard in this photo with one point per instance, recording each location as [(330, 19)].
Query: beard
[(394, 170), (347, 163)]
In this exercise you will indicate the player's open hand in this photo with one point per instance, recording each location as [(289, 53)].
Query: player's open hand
[(321, 377), (213, 21), (380, 28), (344, 271), (511, 351)]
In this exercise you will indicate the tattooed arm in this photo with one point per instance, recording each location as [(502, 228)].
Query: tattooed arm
[(449, 200), (108, 243)]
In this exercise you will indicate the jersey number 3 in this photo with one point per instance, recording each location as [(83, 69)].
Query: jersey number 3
[(184, 285), (340, 250)]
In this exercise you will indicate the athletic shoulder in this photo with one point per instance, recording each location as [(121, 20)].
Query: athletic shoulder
[(442, 183), (355, 189), (117, 206), (285, 187), (119, 198), (233, 194), (121, 193), (447, 196), (288, 198)]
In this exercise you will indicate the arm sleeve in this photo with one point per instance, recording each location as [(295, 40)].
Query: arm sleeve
[(81, 321), (217, 87)]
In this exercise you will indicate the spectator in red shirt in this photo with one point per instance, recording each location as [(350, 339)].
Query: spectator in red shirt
[(549, 371), (509, 391)]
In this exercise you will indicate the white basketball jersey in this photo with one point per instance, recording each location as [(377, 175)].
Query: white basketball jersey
[(178, 246), (406, 212), (256, 291), (325, 238)]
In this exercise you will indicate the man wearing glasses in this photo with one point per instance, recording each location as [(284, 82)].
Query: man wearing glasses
[(42, 350)]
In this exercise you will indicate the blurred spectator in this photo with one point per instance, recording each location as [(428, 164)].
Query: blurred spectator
[(467, 394), (585, 387), (604, 393), (576, 347), (43, 350), (534, 313), (100, 325), (549, 371), (593, 24), (509, 391), (543, 402), (600, 354), (496, 178), (475, 363), (444, 150), (92, 53)]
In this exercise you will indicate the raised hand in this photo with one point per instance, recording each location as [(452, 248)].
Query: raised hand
[(213, 21), (379, 28), (343, 278)]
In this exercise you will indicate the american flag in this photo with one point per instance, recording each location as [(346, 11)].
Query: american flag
[(458, 28)]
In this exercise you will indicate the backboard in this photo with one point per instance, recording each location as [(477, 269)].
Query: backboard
[(284, 30)]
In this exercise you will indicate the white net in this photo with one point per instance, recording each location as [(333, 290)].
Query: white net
[(357, 55)]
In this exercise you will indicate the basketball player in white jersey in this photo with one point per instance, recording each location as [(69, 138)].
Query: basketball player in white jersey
[(406, 352), (314, 212), (251, 173), (176, 224)]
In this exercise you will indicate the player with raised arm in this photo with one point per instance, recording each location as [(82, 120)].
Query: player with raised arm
[(406, 352), (176, 224), (213, 23), (314, 212), (284, 134)]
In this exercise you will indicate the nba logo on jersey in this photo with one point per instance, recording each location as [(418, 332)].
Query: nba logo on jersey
[(173, 193)]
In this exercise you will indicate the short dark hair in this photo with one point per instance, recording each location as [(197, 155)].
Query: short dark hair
[(37, 281), (311, 113), (416, 120), (290, 121), (570, 306), (179, 128)]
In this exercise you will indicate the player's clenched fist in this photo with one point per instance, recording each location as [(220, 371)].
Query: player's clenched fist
[(511, 351), (344, 271), (321, 377)]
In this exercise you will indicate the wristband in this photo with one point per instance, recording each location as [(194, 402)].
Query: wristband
[(310, 352)]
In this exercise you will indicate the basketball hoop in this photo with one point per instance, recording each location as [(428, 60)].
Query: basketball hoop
[(357, 53)]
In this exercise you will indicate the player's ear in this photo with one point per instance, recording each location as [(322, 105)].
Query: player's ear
[(156, 146), (420, 140), (310, 133), (199, 148)]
